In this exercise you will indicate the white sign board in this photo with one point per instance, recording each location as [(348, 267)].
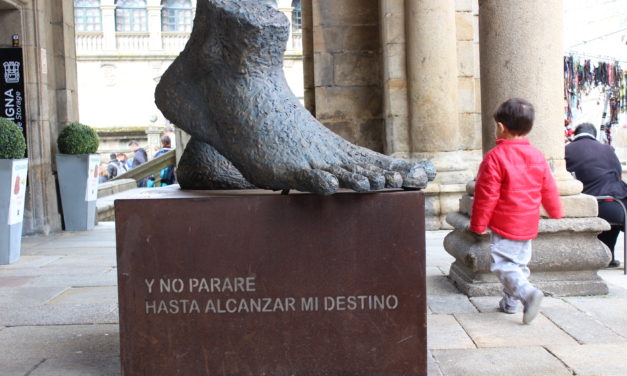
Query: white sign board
[(92, 178), (19, 174)]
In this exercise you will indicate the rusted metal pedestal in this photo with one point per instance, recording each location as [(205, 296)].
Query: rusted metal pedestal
[(247, 283)]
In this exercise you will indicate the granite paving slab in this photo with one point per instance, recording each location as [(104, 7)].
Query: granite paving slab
[(9, 281), (510, 361), (612, 312), (28, 262), (47, 342), (444, 332), (79, 365), (506, 330), (87, 295), (104, 259), (55, 271), (112, 317), (585, 328), (20, 368), (73, 251), (447, 304), (55, 314), (28, 296), (66, 244), (594, 360), (439, 284), (616, 282), (433, 369), (487, 303), (101, 277)]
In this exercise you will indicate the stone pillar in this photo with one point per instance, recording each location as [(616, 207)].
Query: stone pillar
[(155, 42), (521, 56), (107, 7), (395, 95), (433, 131), (308, 56), (432, 74)]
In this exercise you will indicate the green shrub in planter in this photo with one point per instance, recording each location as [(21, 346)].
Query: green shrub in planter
[(78, 138), (12, 143)]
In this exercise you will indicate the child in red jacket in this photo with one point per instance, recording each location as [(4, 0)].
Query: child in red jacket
[(514, 179)]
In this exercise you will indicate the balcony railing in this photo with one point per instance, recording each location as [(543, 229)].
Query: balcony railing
[(132, 42), (89, 42), (297, 41), (92, 43), (174, 42)]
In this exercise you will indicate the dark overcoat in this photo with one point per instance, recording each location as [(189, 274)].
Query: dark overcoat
[(596, 166)]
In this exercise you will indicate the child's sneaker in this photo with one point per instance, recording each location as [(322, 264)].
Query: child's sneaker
[(507, 307), (532, 306)]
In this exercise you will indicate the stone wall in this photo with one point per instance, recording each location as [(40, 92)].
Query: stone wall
[(346, 68), (46, 30), (359, 70)]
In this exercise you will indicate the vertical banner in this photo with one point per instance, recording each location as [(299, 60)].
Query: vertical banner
[(92, 178), (19, 175), (12, 102)]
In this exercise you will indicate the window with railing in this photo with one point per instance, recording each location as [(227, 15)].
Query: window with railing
[(176, 15), (87, 16), (131, 16), (297, 16)]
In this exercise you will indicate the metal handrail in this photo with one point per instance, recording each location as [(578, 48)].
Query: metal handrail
[(624, 228), (152, 167)]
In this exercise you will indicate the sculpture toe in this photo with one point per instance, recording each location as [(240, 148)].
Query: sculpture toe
[(414, 177), (375, 177), (350, 180), (316, 181), (393, 179)]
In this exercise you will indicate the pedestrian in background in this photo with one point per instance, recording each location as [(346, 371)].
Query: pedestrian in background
[(139, 157), (598, 168)]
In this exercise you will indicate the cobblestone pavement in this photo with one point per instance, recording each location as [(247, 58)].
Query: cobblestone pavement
[(58, 316)]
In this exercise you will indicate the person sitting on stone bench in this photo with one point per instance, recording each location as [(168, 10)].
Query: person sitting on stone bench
[(598, 168)]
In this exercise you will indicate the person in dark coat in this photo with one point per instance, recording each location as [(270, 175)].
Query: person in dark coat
[(598, 168), (139, 157)]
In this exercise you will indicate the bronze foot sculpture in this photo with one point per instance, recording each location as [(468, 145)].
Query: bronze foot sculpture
[(227, 90)]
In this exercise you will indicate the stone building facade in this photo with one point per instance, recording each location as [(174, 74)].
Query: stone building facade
[(400, 77), (124, 46), (46, 33)]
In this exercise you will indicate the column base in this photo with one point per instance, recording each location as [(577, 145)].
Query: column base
[(566, 257)]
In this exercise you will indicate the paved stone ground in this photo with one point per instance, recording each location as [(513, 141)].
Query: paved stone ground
[(58, 316)]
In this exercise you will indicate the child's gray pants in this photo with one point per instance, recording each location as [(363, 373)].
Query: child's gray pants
[(509, 262)]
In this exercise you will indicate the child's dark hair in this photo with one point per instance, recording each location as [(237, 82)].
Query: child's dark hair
[(516, 115)]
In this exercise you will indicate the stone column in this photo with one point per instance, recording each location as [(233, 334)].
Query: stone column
[(107, 7), (432, 74), (521, 56), (155, 42), (395, 95), (308, 56), (432, 103)]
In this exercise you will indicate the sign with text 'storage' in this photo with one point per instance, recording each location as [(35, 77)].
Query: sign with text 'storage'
[(12, 97), (19, 175)]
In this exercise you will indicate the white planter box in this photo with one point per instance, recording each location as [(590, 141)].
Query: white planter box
[(13, 173), (77, 182)]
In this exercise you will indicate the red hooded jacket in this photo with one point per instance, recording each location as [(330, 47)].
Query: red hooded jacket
[(513, 180)]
